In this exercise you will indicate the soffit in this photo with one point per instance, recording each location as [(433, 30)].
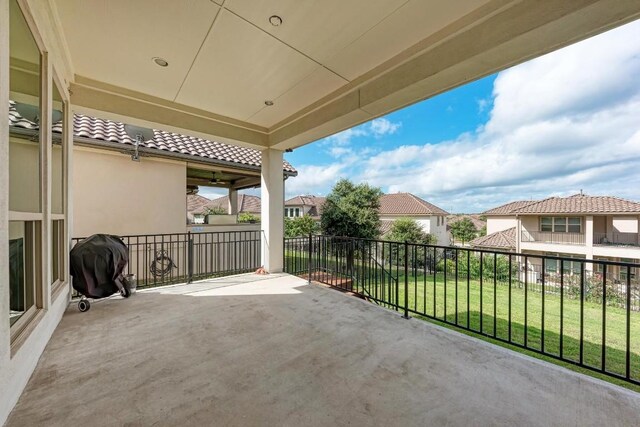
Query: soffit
[(226, 58), (114, 41)]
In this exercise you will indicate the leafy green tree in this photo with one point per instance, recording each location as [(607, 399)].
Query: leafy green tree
[(407, 229), (352, 210), (463, 230), (300, 226), (483, 231)]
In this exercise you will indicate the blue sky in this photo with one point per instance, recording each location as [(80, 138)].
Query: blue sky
[(561, 123)]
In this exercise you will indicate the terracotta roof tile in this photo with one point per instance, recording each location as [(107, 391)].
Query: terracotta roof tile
[(246, 203), (195, 203), (580, 204), (505, 239), (508, 208), (97, 129), (407, 204)]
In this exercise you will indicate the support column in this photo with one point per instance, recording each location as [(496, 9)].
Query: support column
[(588, 241), (272, 211), (233, 202)]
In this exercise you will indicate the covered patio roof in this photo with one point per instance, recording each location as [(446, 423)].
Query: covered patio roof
[(281, 74), (273, 350)]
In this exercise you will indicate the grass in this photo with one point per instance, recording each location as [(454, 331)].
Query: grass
[(519, 317)]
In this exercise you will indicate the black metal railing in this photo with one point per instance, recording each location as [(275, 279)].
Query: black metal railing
[(164, 259), (616, 238), (584, 312), (550, 237)]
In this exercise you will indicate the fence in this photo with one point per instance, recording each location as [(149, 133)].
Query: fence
[(579, 311), (163, 259)]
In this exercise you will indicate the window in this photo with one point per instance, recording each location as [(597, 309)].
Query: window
[(623, 270), (26, 183), (570, 267), (561, 224), (297, 212), (58, 197)]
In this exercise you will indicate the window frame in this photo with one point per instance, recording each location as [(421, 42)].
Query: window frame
[(551, 224)]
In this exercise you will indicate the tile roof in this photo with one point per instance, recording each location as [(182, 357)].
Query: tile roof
[(580, 204), (407, 204), (195, 203), (505, 239), (246, 203), (95, 129), (508, 208), (316, 203)]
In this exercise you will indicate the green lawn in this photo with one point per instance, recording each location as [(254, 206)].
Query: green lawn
[(427, 297)]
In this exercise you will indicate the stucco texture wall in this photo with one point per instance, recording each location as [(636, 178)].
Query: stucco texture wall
[(115, 195)]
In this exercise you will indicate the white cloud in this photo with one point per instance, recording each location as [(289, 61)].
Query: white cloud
[(380, 127), (313, 179), (562, 122)]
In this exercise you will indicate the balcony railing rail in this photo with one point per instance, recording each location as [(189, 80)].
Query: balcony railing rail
[(584, 312), (550, 237), (616, 238), (164, 259)]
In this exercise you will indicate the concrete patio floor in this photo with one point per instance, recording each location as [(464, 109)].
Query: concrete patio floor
[(256, 350)]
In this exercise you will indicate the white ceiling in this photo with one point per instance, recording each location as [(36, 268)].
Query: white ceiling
[(226, 58)]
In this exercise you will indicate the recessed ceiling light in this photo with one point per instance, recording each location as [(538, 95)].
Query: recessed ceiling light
[(275, 20), (160, 61), (268, 103)]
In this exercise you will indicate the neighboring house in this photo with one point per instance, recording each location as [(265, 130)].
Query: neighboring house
[(503, 217), (304, 205), (245, 204), (579, 226), (113, 194), (195, 208), (503, 240), (431, 218)]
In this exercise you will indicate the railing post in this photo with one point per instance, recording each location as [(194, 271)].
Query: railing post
[(310, 255), (406, 279), (189, 257)]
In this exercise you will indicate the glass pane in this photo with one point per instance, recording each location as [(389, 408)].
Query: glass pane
[(546, 224), (57, 251), (24, 116), (57, 154), (575, 221), (560, 225), (21, 268)]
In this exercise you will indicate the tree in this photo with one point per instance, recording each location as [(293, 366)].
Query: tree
[(300, 226), (247, 217), (483, 231), (352, 210), (407, 229), (463, 230)]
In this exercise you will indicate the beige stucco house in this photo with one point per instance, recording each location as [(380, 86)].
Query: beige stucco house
[(579, 226), (228, 72), (304, 205), (431, 218)]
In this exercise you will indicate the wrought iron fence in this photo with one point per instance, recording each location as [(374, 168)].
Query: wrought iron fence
[(584, 312), (163, 259)]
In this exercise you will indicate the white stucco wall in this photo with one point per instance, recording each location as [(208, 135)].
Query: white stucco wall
[(625, 224), (500, 223), (115, 195)]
